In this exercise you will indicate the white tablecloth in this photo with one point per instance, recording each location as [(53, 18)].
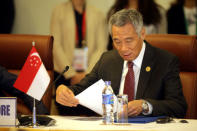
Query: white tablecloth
[(95, 123)]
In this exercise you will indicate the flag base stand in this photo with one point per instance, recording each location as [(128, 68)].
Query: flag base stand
[(35, 121)]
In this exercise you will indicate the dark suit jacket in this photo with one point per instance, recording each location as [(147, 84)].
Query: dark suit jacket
[(176, 20), (161, 86), (6, 84)]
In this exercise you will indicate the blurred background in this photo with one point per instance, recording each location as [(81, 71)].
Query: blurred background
[(33, 16)]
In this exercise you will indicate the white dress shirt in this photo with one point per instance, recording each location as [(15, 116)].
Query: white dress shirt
[(137, 63), (136, 68)]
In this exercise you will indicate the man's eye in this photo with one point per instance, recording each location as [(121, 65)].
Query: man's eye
[(128, 40), (117, 42)]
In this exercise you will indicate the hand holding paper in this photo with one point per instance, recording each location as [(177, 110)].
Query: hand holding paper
[(92, 97), (65, 96)]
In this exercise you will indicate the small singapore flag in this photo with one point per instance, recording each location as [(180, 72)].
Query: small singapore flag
[(33, 78)]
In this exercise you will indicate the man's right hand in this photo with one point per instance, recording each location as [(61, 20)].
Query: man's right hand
[(66, 97)]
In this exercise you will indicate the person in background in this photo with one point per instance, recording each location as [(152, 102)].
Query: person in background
[(148, 75), (6, 85), (78, 29), (7, 14), (154, 15), (182, 17)]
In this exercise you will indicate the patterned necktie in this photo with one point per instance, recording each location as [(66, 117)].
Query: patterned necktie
[(129, 82)]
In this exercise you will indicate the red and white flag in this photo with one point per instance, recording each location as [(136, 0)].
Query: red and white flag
[(33, 78)]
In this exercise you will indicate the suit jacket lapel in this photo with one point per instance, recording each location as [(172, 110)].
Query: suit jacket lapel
[(146, 69)]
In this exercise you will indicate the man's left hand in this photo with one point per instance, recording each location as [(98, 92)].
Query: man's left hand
[(135, 107)]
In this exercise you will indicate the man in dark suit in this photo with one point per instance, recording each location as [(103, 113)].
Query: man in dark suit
[(6, 84), (157, 88)]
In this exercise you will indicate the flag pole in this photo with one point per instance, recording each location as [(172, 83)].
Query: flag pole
[(34, 122), (33, 43), (34, 114)]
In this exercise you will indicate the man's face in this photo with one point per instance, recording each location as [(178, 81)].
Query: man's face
[(127, 41)]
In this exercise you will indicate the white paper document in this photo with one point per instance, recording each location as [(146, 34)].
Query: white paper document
[(92, 97)]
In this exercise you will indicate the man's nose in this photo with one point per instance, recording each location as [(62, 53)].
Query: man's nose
[(123, 47)]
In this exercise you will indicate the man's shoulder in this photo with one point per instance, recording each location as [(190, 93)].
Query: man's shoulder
[(111, 54), (161, 54)]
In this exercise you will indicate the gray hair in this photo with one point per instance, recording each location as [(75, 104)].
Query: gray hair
[(124, 17)]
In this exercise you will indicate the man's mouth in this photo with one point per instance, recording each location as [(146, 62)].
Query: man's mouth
[(126, 55)]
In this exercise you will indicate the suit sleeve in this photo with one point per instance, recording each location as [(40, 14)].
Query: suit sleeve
[(173, 104), (6, 79)]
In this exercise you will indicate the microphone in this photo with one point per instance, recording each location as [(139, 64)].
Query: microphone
[(65, 70)]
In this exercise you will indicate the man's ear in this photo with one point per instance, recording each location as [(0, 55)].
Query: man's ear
[(143, 33)]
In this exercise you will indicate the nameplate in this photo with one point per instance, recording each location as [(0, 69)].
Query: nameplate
[(7, 111)]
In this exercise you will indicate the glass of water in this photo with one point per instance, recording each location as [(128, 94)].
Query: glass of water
[(122, 109)]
